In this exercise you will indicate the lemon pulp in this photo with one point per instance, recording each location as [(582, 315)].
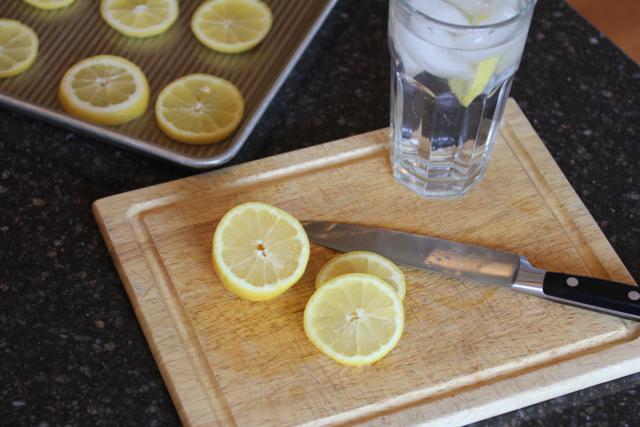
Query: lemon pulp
[(139, 18), (355, 319), (259, 251), (49, 4), (18, 47), (199, 109), (105, 89), (363, 262), (231, 26)]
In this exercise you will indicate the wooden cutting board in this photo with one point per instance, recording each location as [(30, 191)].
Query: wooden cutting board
[(468, 351)]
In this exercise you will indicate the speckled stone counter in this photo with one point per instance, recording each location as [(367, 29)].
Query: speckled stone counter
[(71, 350)]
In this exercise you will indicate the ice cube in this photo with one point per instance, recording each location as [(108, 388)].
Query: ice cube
[(486, 12), (512, 53), (472, 9), (431, 33), (501, 10), (472, 57), (509, 51), (429, 57), (407, 64), (484, 38), (440, 10)]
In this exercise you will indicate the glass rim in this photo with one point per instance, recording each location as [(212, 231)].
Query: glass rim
[(514, 18)]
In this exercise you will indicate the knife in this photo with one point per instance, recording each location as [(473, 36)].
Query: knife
[(482, 265)]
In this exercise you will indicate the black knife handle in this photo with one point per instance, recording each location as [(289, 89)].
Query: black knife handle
[(596, 294)]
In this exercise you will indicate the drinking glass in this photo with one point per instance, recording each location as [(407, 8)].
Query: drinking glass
[(452, 65)]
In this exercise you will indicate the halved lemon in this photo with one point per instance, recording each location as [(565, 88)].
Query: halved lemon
[(49, 4), (105, 89), (231, 26), (199, 109), (355, 319), (140, 18), (18, 47), (259, 251), (363, 262)]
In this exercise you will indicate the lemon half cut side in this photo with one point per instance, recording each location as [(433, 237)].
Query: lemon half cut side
[(363, 262), (18, 47), (139, 18), (355, 319), (104, 89), (259, 251), (231, 26)]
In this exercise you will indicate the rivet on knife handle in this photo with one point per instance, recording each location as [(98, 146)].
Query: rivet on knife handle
[(596, 294)]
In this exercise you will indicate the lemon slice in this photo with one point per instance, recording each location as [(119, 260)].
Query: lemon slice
[(140, 18), (18, 47), (259, 251), (355, 319), (363, 262), (104, 89), (231, 26), (466, 92), (199, 109), (49, 4)]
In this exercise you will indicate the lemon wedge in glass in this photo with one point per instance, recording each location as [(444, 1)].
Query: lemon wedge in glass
[(259, 251), (355, 319), (466, 92)]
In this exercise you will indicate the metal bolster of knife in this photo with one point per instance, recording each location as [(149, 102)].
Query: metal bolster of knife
[(529, 279)]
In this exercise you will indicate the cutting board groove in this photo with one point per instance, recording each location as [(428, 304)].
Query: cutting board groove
[(468, 351)]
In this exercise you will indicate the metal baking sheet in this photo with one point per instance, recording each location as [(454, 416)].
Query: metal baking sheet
[(77, 32)]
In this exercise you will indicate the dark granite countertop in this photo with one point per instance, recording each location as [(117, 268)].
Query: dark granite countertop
[(71, 350)]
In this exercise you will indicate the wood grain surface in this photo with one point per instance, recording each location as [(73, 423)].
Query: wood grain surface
[(468, 351)]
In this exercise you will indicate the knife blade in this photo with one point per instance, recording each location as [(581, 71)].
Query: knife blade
[(480, 265)]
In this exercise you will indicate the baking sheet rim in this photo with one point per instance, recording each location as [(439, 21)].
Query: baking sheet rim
[(144, 147)]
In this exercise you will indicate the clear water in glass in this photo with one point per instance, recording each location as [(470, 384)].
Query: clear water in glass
[(452, 64)]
